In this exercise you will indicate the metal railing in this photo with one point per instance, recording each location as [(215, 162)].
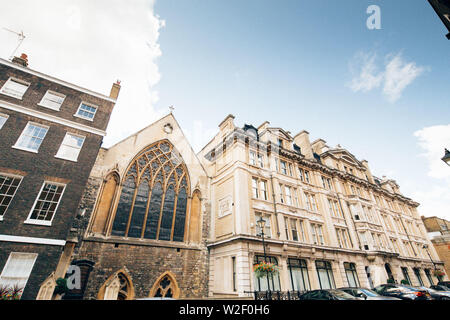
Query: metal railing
[(276, 295)]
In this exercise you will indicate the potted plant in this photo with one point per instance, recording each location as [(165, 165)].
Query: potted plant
[(390, 280), (438, 273), (61, 287), (404, 281), (13, 293), (263, 268)]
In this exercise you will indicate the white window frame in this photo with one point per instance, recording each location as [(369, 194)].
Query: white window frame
[(260, 160), (4, 116), (50, 92), (288, 195), (19, 254), (17, 146), (18, 186), (255, 188), (267, 227), (252, 158), (263, 189), (61, 145), (45, 222), (13, 79), (89, 105), (283, 168)]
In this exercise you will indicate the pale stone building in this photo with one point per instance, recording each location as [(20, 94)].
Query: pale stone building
[(329, 221)]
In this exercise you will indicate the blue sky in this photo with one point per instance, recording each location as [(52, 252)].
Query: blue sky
[(302, 65), (289, 62)]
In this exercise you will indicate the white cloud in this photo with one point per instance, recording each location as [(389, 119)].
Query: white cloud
[(199, 135), (367, 78), (398, 76), (395, 77), (433, 140), (435, 200), (92, 44)]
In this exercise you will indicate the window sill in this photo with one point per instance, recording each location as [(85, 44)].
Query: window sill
[(84, 118), (11, 95), (38, 222), (43, 105), (24, 149), (63, 158)]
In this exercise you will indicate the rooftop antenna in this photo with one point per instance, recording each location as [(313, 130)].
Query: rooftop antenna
[(21, 38)]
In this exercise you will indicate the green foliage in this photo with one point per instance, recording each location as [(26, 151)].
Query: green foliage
[(61, 286), (390, 280), (262, 269), (404, 281)]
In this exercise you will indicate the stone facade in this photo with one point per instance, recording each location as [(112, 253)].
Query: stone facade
[(141, 260), (323, 209), (439, 232)]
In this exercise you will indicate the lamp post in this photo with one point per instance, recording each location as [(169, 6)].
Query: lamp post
[(425, 246), (446, 157), (261, 224)]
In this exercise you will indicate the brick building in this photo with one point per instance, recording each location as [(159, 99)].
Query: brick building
[(50, 135)]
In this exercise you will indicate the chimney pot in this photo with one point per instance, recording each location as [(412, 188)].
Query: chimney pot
[(22, 60)]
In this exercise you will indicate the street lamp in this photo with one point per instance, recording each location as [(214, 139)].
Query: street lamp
[(261, 224), (446, 157)]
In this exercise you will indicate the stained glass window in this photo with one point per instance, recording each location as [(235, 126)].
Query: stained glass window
[(153, 199)]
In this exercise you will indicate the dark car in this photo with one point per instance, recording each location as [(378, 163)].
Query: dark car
[(366, 294), (328, 294), (437, 295), (403, 292), (444, 283), (438, 287)]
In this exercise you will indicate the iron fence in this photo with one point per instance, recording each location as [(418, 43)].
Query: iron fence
[(276, 295)]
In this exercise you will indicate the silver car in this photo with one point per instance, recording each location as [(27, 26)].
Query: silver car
[(366, 294)]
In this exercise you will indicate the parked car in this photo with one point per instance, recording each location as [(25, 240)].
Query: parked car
[(403, 292), (444, 283), (328, 294), (437, 295), (438, 287), (366, 294)]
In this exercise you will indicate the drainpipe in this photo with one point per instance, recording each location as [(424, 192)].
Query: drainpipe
[(407, 235), (353, 222), (275, 206)]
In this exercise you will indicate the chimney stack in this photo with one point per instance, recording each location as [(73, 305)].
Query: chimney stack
[(22, 60), (115, 90)]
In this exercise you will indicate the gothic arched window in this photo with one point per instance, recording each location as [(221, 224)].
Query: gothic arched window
[(153, 199)]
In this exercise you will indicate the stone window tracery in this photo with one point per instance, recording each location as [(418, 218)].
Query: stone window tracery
[(154, 194)]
